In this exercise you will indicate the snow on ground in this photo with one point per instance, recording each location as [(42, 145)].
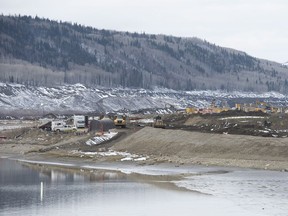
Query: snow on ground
[(80, 98), (9, 127), (126, 156), (102, 138), (105, 137), (142, 121), (14, 124), (242, 117)]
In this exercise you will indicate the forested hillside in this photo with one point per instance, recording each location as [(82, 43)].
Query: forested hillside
[(41, 52)]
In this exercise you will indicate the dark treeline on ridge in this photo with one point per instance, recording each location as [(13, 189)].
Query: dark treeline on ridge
[(41, 52)]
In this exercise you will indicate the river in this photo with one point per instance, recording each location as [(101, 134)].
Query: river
[(102, 190)]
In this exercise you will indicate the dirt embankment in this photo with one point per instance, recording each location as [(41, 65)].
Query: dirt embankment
[(218, 149), (162, 145), (232, 122), (28, 140)]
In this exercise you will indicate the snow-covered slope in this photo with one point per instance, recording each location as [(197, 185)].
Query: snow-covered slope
[(78, 98)]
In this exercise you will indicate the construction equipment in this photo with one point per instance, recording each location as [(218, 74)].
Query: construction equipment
[(58, 126), (191, 110), (158, 122), (120, 120)]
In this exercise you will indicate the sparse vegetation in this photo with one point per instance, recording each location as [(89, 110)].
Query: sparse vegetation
[(41, 52)]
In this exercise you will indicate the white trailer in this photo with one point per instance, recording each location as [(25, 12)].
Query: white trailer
[(79, 121)]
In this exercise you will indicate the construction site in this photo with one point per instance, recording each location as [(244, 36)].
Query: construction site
[(249, 135)]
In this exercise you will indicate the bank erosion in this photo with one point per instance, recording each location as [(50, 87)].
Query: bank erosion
[(186, 139)]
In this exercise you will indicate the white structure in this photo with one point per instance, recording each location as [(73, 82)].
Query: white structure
[(56, 125), (79, 121)]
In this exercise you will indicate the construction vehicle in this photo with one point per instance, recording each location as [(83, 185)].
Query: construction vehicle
[(66, 128), (61, 126), (158, 122), (120, 121), (191, 110), (55, 125)]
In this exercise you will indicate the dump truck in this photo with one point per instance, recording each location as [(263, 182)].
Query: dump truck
[(120, 121), (158, 122)]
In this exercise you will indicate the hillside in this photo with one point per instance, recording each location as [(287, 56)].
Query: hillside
[(19, 100), (41, 52)]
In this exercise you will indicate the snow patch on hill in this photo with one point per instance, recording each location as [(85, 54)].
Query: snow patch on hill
[(79, 98)]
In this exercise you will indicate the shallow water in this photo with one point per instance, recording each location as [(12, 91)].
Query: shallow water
[(253, 190), (104, 192)]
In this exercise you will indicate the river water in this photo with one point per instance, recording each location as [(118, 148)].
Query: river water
[(39, 190)]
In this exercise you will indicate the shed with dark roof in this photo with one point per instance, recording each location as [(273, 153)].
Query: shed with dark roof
[(101, 125)]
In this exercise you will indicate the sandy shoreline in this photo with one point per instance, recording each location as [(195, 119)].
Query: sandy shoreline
[(176, 147)]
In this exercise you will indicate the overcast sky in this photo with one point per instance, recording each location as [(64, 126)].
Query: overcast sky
[(257, 27)]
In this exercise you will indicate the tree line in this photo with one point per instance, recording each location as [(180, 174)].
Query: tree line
[(59, 52)]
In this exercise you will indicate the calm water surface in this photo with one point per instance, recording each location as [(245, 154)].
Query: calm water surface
[(27, 191)]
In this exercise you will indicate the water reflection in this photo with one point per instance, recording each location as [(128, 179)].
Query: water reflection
[(23, 184), (41, 191), (27, 189)]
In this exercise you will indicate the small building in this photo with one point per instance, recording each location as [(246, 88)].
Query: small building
[(80, 121), (46, 126), (103, 125)]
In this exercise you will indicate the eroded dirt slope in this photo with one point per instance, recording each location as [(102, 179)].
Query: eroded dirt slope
[(186, 146)]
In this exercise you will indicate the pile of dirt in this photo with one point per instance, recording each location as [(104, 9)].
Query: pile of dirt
[(232, 122), (28, 140), (193, 147)]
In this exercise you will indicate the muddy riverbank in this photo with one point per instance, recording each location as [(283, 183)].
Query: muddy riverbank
[(152, 146)]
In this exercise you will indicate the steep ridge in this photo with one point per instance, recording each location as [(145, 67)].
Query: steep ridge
[(41, 52)]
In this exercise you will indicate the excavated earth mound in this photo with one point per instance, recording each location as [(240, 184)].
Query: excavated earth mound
[(208, 148)]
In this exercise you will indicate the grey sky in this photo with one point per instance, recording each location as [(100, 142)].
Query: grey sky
[(258, 27)]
